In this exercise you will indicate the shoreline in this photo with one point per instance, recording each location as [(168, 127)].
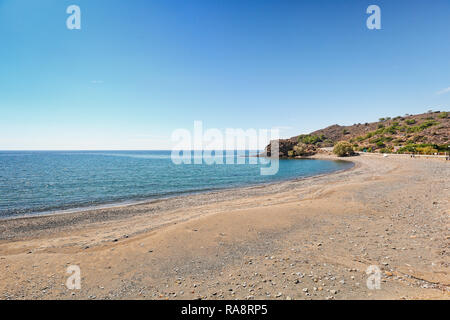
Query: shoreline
[(156, 199), (307, 239)]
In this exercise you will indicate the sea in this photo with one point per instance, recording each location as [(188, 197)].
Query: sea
[(43, 182)]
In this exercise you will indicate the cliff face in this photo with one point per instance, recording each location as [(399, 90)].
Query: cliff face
[(403, 133)]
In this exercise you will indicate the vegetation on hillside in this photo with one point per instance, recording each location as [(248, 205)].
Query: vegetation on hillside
[(423, 133)]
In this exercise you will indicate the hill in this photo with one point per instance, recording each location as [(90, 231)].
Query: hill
[(427, 132)]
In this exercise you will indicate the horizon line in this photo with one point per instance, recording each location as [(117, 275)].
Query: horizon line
[(53, 150)]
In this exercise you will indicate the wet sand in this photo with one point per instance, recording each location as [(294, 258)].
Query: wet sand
[(306, 239)]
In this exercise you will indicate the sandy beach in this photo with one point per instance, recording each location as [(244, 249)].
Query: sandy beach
[(306, 239)]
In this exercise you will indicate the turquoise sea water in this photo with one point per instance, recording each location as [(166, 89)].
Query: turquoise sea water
[(42, 181)]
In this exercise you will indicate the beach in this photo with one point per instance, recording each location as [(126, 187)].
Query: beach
[(311, 238)]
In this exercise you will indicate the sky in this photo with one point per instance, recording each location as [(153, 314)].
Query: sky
[(138, 70)]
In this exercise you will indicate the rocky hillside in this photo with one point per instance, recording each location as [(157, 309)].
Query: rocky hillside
[(427, 132)]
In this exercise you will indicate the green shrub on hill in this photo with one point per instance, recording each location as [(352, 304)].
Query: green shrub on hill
[(428, 124), (310, 139), (423, 148), (422, 126), (443, 115)]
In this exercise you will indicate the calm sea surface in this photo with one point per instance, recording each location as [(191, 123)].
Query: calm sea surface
[(36, 182)]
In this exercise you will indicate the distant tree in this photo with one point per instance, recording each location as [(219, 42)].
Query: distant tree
[(343, 149), (299, 149), (303, 149)]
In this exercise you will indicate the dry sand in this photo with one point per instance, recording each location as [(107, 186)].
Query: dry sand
[(307, 239)]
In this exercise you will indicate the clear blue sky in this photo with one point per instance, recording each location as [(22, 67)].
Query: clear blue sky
[(137, 70)]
